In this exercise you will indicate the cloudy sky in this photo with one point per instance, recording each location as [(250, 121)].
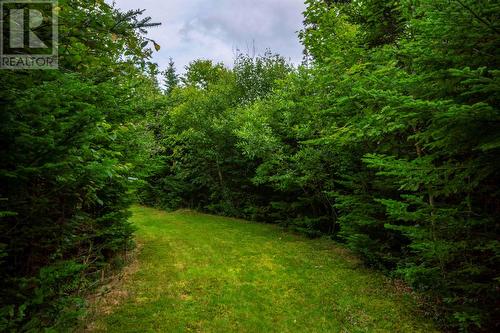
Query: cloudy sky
[(216, 29)]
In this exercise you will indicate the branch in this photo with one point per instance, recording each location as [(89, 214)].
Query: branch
[(479, 18)]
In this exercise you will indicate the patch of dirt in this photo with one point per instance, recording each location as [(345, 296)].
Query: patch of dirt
[(111, 293)]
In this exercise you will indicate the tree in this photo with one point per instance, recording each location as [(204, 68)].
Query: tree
[(69, 165), (171, 78), (386, 141)]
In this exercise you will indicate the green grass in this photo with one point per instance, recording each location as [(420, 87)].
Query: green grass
[(202, 273)]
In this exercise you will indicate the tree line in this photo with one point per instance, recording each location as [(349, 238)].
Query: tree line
[(385, 139)]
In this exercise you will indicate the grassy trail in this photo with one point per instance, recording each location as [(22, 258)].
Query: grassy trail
[(201, 273)]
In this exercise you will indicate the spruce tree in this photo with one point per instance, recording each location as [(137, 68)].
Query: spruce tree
[(171, 78)]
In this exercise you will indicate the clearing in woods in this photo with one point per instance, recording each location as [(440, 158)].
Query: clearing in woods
[(203, 273)]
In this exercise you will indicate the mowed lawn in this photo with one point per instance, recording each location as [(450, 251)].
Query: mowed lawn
[(202, 273)]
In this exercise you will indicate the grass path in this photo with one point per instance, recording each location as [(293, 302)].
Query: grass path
[(201, 273)]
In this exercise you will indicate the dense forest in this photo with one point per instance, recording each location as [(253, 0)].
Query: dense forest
[(385, 139)]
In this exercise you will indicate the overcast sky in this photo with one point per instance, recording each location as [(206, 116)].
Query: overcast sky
[(215, 29)]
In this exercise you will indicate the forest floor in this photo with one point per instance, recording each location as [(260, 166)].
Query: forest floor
[(202, 273)]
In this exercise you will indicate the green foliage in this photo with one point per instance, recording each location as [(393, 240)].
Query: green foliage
[(256, 77), (422, 203), (203, 168), (387, 139), (171, 79), (68, 167)]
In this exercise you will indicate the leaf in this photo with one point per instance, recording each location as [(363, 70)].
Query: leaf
[(144, 44), (157, 46)]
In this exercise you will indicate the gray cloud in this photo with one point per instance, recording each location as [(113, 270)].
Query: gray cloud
[(215, 29)]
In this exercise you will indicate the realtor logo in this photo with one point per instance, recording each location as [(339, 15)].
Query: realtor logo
[(28, 34)]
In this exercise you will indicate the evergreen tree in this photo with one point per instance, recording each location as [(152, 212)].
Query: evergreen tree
[(72, 146), (171, 78)]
